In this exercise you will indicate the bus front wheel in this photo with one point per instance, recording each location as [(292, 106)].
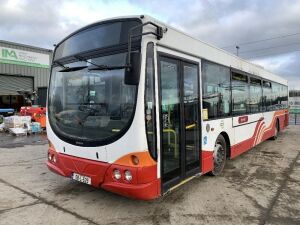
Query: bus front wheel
[(219, 156)]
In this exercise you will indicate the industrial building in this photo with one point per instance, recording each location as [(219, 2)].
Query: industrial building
[(23, 68)]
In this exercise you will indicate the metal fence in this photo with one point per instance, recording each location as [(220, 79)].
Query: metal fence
[(294, 117)]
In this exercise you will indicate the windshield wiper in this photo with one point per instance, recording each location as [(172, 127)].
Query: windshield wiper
[(71, 69), (61, 65), (106, 67), (101, 67)]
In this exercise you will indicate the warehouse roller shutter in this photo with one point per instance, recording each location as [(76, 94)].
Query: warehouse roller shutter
[(9, 85)]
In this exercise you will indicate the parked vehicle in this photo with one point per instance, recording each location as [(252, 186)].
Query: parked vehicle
[(6, 112), (138, 108)]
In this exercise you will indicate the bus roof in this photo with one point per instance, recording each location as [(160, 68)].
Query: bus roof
[(181, 41)]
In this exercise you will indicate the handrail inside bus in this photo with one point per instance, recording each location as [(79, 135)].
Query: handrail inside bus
[(176, 152)]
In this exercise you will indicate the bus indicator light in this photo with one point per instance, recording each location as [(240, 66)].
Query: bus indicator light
[(135, 160)]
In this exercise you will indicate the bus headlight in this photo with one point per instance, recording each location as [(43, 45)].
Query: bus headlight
[(128, 175), (117, 174)]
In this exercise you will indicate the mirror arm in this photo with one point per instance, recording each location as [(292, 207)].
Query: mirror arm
[(158, 34)]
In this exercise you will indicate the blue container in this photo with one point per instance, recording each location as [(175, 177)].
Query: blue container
[(35, 127)]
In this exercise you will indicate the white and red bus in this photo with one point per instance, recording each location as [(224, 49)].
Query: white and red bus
[(138, 108)]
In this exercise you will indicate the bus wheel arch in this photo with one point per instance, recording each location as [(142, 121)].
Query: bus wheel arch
[(276, 129), (278, 124), (228, 144)]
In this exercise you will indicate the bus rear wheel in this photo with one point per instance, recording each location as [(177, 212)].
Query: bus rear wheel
[(219, 156)]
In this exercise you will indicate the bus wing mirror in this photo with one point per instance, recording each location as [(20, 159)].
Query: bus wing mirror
[(132, 72)]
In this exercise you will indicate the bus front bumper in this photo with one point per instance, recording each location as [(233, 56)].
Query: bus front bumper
[(144, 184)]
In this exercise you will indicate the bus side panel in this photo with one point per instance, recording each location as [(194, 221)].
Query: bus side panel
[(207, 161), (258, 128), (246, 130), (264, 129), (247, 144), (283, 119), (271, 119)]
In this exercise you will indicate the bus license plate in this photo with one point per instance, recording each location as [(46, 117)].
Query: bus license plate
[(81, 178)]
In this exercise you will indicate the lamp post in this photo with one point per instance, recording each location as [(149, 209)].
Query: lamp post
[(237, 50)]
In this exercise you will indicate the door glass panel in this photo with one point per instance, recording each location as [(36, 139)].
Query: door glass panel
[(191, 112), (170, 110)]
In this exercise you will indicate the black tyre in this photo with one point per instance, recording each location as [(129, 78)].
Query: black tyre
[(276, 131), (219, 156)]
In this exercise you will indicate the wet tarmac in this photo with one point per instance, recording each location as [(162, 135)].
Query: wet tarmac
[(12, 141)]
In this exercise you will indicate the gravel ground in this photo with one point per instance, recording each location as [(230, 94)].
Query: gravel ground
[(261, 186)]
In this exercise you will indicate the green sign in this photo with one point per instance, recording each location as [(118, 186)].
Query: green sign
[(24, 58), (6, 53)]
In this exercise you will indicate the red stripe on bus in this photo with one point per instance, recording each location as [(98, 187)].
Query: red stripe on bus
[(245, 145), (260, 134)]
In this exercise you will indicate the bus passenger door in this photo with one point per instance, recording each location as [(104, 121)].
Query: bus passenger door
[(180, 120)]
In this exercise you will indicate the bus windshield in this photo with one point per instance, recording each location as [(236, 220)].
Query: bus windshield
[(90, 105)]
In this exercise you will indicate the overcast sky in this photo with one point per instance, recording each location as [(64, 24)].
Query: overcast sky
[(224, 23)]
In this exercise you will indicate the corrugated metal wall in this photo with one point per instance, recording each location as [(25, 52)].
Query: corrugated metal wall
[(41, 75), (9, 85)]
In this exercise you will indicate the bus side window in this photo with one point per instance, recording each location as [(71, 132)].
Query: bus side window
[(267, 95), (240, 94), (216, 90), (284, 96), (255, 103)]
